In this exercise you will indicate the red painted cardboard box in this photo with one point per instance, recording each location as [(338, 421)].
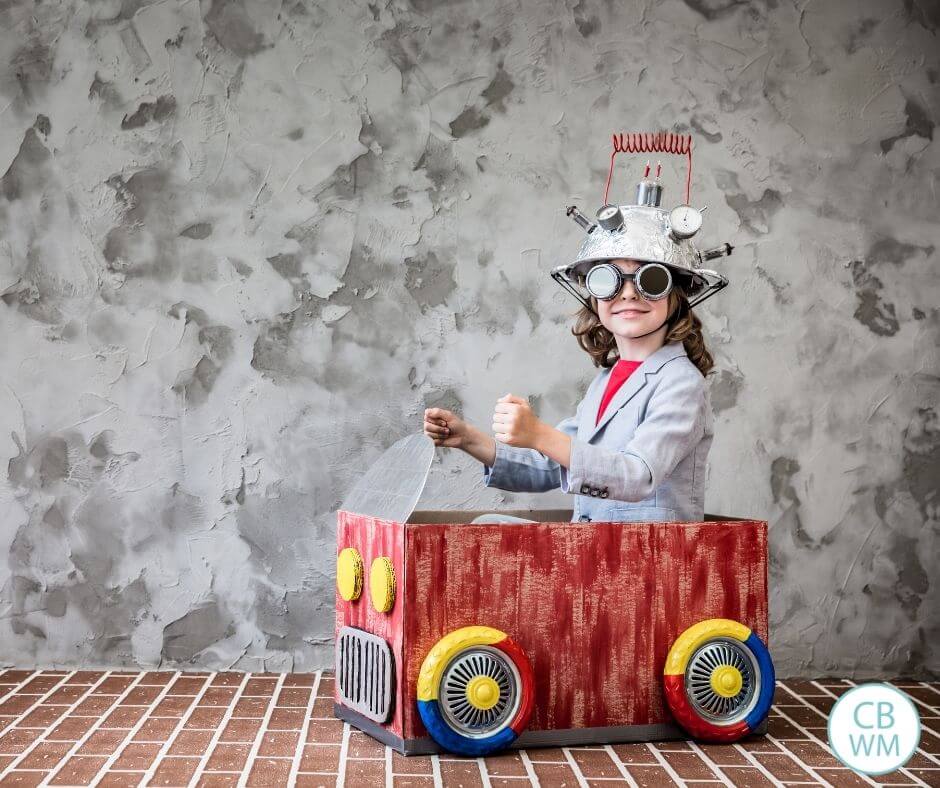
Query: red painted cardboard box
[(595, 606)]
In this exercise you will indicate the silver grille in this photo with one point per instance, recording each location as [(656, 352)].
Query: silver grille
[(365, 673)]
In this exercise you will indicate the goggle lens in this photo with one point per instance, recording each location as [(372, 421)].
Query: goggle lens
[(604, 281), (652, 281)]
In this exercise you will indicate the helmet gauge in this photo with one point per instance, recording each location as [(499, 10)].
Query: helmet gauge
[(684, 222), (610, 218)]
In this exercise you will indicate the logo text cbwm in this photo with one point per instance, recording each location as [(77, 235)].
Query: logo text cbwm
[(874, 728)]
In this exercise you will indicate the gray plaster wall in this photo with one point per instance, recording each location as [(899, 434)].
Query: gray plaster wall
[(243, 245)]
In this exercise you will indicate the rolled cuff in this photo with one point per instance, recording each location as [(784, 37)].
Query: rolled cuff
[(521, 470), (498, 474), (573, 477)]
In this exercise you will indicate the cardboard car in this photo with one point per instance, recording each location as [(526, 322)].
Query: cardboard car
[(471, 638)]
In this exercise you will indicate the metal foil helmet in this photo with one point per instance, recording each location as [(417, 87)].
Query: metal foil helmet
[(644, 231)]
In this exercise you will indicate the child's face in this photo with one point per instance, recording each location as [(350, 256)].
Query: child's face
[(628, 315)]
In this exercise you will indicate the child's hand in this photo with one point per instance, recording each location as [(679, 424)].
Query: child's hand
[(445, 428), (514, 423)]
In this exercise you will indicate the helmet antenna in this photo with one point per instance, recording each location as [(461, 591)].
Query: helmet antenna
[(652, 142)]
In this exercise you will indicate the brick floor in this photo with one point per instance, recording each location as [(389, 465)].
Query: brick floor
[(123, 728)]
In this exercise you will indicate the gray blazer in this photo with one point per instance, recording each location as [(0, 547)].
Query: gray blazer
[(645, 459)]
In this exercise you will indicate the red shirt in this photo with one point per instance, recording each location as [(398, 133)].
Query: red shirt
[(618, 375)]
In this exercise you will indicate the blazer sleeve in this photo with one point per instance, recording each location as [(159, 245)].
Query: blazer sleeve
[(674, 424), (527, 470)]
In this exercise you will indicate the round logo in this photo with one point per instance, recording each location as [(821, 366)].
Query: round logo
[(874, 728)]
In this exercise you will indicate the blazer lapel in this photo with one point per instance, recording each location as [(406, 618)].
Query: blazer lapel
[(651, 365), (592, 401)]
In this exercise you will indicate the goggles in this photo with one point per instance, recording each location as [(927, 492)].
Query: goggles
[(652, 281)]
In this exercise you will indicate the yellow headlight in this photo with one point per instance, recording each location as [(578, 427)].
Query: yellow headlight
[(382, 584), (349, 574)]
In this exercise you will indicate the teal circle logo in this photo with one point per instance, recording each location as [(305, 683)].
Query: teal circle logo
[(874, 728)]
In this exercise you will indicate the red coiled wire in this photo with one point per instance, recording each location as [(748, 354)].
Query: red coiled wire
[(652, 142)]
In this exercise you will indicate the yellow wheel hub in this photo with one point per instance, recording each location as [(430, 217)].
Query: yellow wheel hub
[(726, 681), (482, 692)]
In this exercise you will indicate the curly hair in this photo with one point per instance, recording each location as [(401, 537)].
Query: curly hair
[(683, 326)]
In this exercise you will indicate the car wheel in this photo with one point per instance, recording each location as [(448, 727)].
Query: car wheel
[(719, 680), (475, 691)]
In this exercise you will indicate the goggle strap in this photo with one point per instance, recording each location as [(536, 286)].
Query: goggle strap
[(565, 282), (713, 286)]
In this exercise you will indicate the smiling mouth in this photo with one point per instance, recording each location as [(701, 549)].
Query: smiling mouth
[(630, 312)]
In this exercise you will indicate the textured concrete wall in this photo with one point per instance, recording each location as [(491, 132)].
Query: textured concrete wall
[(244, 244)]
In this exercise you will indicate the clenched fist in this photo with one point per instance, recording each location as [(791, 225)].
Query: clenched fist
[(445, 428), (514, 423)]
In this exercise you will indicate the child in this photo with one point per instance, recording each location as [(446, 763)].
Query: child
[(636, 448)]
